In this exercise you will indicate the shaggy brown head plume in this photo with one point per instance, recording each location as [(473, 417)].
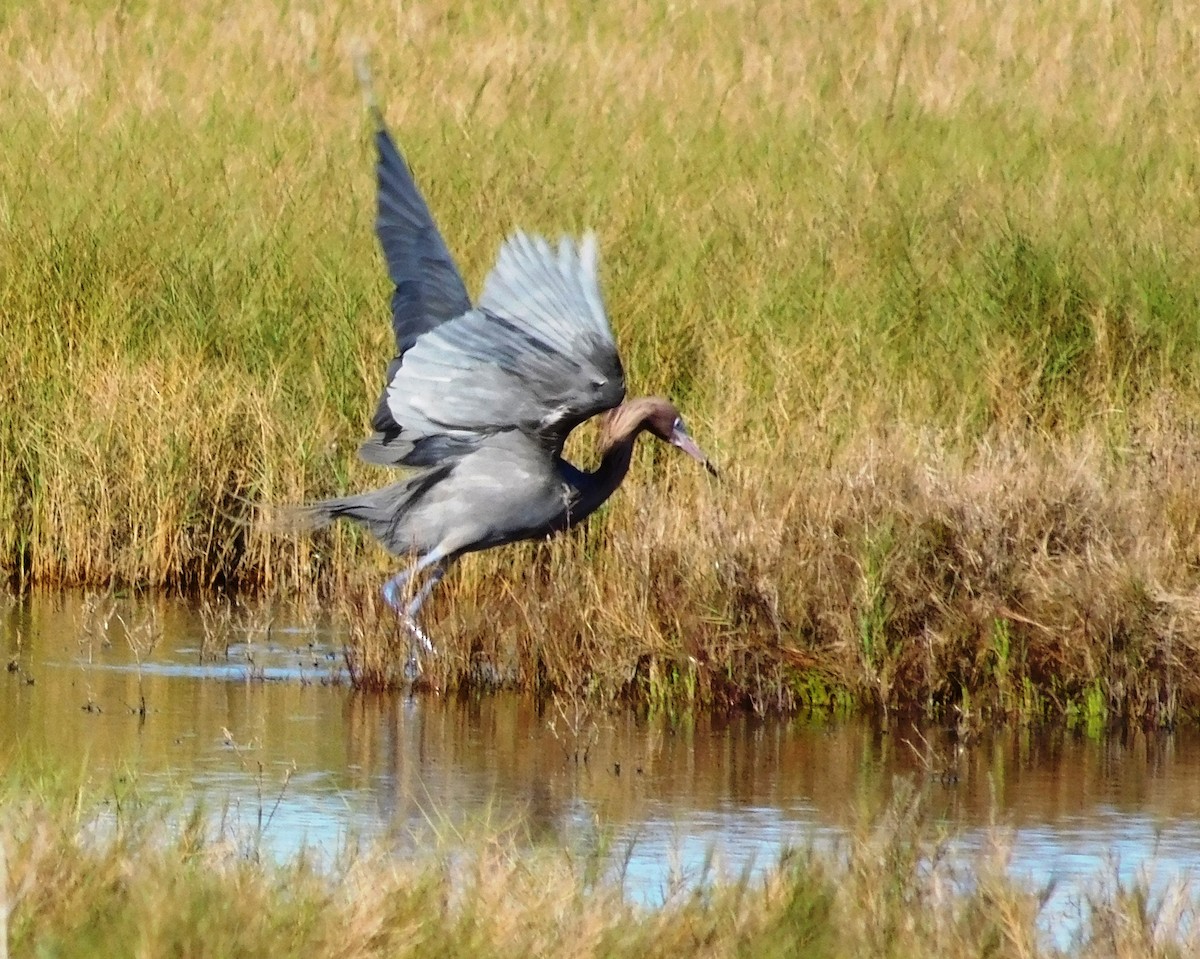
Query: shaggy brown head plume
[(654, 414)]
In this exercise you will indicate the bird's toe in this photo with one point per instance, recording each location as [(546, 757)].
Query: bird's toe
[(420, 635)]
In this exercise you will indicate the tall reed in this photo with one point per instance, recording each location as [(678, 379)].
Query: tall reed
[(921, 275)]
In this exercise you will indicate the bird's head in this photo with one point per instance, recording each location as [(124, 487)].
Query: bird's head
[(663, 420)]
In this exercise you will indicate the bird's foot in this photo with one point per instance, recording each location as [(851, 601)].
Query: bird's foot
[(420, 645), (418, 634), (412, 667)]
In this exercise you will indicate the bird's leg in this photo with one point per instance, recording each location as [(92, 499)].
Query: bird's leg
[(418, 600), (409, 615), (408, 611), (391, 589)]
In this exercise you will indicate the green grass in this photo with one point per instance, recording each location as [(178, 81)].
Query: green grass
[(929, 269), (90, 875)]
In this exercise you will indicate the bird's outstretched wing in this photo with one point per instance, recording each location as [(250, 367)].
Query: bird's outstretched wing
[(429, 288), (536, 355)]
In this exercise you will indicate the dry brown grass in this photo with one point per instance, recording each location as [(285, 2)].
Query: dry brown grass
[(901, 574), (922, 276)]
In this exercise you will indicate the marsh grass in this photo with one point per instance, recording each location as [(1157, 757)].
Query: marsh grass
[(923, 277), (217, 628), (1021, 583), (143, 877)]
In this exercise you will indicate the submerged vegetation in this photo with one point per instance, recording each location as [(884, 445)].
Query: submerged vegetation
[(114, 875), (923, 277)]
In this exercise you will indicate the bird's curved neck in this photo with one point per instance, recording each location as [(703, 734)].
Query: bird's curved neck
[(619, 430), (596, 487)]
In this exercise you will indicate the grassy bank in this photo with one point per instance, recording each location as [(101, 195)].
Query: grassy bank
[(924, 279), (146, 881)]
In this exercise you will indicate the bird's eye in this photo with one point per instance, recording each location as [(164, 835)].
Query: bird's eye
[(678, 425)]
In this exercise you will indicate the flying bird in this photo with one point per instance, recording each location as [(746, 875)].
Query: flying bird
[(481, 396)]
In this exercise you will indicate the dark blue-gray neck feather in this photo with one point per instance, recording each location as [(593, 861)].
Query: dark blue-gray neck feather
[(619, 429)]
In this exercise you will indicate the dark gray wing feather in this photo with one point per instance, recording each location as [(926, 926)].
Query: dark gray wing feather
[(429, 288), (536, 355)]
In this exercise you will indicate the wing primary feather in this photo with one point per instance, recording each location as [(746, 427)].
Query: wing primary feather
[(521, 359)]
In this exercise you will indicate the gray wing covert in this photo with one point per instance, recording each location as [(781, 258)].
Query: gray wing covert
[(537, 355), (552, 297)]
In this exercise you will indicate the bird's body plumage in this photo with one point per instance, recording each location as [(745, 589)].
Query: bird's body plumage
[(480, 397), (504, 490)]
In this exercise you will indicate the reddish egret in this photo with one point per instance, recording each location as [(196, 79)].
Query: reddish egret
[(480, 398)]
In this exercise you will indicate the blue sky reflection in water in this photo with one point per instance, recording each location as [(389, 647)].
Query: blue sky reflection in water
[(267, 733)]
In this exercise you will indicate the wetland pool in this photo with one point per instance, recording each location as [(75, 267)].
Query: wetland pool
[(269, 735)]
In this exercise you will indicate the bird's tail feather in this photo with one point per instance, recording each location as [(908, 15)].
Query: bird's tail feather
[(368, 509), (381, 511), (377, 510)]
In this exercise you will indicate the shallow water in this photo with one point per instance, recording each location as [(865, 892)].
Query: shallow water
[(267, 729)]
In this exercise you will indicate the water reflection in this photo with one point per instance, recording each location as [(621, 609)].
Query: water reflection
[(271, 729)]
